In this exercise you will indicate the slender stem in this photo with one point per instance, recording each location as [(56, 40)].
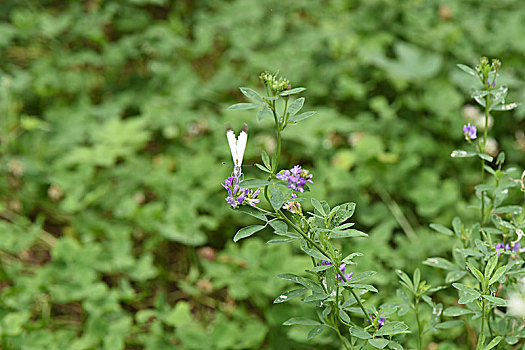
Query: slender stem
[(341, 337), (419, 337), (322, 251), (483, 149), (482, 321), (278, 130)]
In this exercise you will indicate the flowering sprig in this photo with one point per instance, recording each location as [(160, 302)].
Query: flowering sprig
[(237, 195), (479, 261), (337, 294)]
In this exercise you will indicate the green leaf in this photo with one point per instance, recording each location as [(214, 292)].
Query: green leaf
[(481, 342), (263, 168), (279, 226), (282, 240), (367, 287), (467, 298), (343, 212), (314, 287), (454, 311), (457, 225), (441, 229), (286, 296), (336, 233), (277, 198), (315, 298), (440, 263), (449, 324), (362, 276), (344, 316), (455, 275), (417, 279), (459, 153), (251, 211), (359, 332), (320, 268), (485, 157), (404, 277), (392, 328), (263, 113), (292, 91), (497, 275), (508, 209), (505, 107), (247, 231), (495, 300), (512, 339), (317, 205), (239, 106), (315, 331), (302, 321), (179, 315), (295, 106), (491, 264), (378, 343), (477, 273), (466, 289), (251, 94), (494, 342), (330, 280), (266, 160), (299, 117), (315, 253), (467, 70), (253, 183), (395, 345)]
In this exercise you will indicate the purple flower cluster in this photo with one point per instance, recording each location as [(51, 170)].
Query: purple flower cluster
[(238, 195), (296, 178), (469, 131), (381, 322), (342, 268), (516, 248)]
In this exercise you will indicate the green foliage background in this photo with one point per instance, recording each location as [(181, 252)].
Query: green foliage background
[(113, 150)]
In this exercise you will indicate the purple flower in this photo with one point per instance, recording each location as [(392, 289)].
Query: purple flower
[(469, 131), (296, 177), (500, 247), (516, 248), (381, 322), (238, 195)]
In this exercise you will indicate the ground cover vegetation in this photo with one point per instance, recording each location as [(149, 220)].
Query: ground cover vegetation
[(114, 229)]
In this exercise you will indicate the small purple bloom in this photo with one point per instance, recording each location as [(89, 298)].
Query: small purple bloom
[(516, 248), (494, 83), (381, 322), (469, 131)]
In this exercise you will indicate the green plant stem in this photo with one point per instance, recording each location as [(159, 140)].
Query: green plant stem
[(419, 329), (482, 321), (322, 251), (341, 337), (485, 130), (275, 166)]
